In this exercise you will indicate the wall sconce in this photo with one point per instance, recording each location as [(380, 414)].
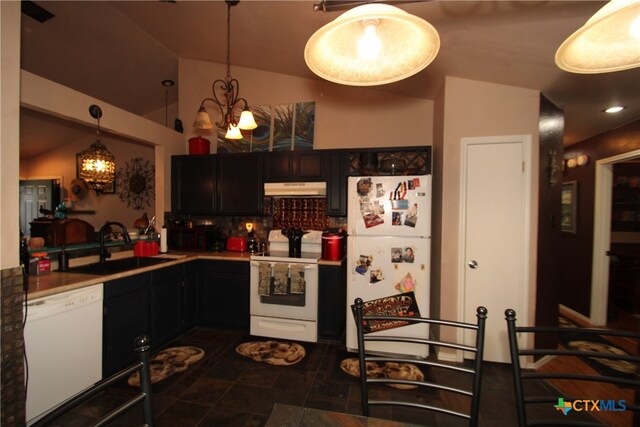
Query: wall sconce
[(574, 162)]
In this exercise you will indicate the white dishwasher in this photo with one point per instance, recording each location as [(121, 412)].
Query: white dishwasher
[(63, 347)]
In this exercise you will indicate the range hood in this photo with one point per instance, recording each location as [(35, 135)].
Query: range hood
[(295, 189)]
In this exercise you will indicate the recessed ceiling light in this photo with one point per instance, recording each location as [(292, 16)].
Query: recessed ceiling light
[(614, 109)]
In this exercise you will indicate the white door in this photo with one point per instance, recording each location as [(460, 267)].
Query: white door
[(495, 198), (34, 194)]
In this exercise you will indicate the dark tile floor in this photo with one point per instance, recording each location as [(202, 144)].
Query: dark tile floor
[(225, 389)]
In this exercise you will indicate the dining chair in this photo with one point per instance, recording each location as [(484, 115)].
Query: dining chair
[(142, 347), (581, 350), (462, 379)]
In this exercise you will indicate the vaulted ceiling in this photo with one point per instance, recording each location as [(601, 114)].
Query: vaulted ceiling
[(121, 51)]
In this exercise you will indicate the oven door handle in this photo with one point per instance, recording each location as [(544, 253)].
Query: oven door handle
[(306, 266)]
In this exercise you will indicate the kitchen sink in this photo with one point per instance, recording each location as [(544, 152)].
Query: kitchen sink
[(118, 266)]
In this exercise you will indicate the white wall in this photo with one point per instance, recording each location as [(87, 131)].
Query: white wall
[(346, 116)]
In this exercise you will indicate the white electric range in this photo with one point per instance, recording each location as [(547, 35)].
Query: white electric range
[(284, 289)]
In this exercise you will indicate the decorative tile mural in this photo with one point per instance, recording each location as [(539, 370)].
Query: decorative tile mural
[(280, 128), (308, 213)]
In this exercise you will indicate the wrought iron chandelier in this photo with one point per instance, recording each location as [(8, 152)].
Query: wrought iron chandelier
[(226, 97), (97, 164)]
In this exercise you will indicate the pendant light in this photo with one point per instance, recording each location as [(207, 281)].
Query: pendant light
[(608, 41), (97, 164), (370, 45), (226, 97)]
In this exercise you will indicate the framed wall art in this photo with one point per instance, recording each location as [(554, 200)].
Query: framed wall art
[(568, 216)]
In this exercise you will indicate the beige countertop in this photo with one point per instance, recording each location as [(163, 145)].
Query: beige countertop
[(57, 282)]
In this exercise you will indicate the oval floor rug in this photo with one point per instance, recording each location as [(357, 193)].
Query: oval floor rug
[(169, 361), (272, 352)]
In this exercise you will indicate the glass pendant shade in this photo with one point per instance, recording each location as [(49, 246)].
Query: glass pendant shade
[(373, 44), (233, 132), (608, 41), (247, 122), (97, 167), (202, 120)]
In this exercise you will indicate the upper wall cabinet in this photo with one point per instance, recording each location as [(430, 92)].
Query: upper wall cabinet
[(240, 187), (193, 184), (294, 166), (390, 161)]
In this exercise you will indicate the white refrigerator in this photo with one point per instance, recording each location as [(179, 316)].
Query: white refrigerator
[(388, 254)]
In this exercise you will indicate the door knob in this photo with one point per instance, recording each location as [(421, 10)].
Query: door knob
[(473, 264)]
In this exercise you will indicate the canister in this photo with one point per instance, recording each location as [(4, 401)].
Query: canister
[(333, 244), (199, 145)]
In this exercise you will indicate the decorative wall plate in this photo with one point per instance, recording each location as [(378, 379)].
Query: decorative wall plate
[(136, 181)]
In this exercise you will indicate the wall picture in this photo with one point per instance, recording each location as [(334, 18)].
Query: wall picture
[(569, 207)]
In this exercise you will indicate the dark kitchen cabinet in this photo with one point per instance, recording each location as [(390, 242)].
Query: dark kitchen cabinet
[(240, 186), (336, 174), (193, 184), (294, 166), (224, 294), (189, 298), (165, 298), (332, 301), (125, 317)]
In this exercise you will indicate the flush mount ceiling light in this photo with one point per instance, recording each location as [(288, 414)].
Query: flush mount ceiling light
[(226, 97), (614, 109), (609, 41), (97, 164), (370, 45)]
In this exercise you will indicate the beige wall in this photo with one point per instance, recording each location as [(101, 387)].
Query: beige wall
[(9, 132), (52, 98), (108, 207), (345, 116), (472, 109)]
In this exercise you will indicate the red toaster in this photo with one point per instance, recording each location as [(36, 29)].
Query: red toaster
[(236, 244)]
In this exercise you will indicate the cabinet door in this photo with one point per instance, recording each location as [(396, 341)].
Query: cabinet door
[(278, 166), (240, 184), (125, 318), (336, 166), (165, 304), (193, 184), (308, 166), (224, 290), (332, 302), (189, 301)]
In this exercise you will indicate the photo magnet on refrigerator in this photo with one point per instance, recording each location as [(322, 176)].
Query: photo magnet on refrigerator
[(363, 264), (407, 284)]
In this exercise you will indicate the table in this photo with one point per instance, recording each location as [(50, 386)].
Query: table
[(293, 416)]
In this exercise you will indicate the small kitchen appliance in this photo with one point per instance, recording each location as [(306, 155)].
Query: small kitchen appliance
[(236, 244), (333, 240)]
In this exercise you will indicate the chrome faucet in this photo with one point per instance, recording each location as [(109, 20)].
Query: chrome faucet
[(107, 226)]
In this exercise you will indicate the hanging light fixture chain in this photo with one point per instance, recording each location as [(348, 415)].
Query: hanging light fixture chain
[(229, 40)]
